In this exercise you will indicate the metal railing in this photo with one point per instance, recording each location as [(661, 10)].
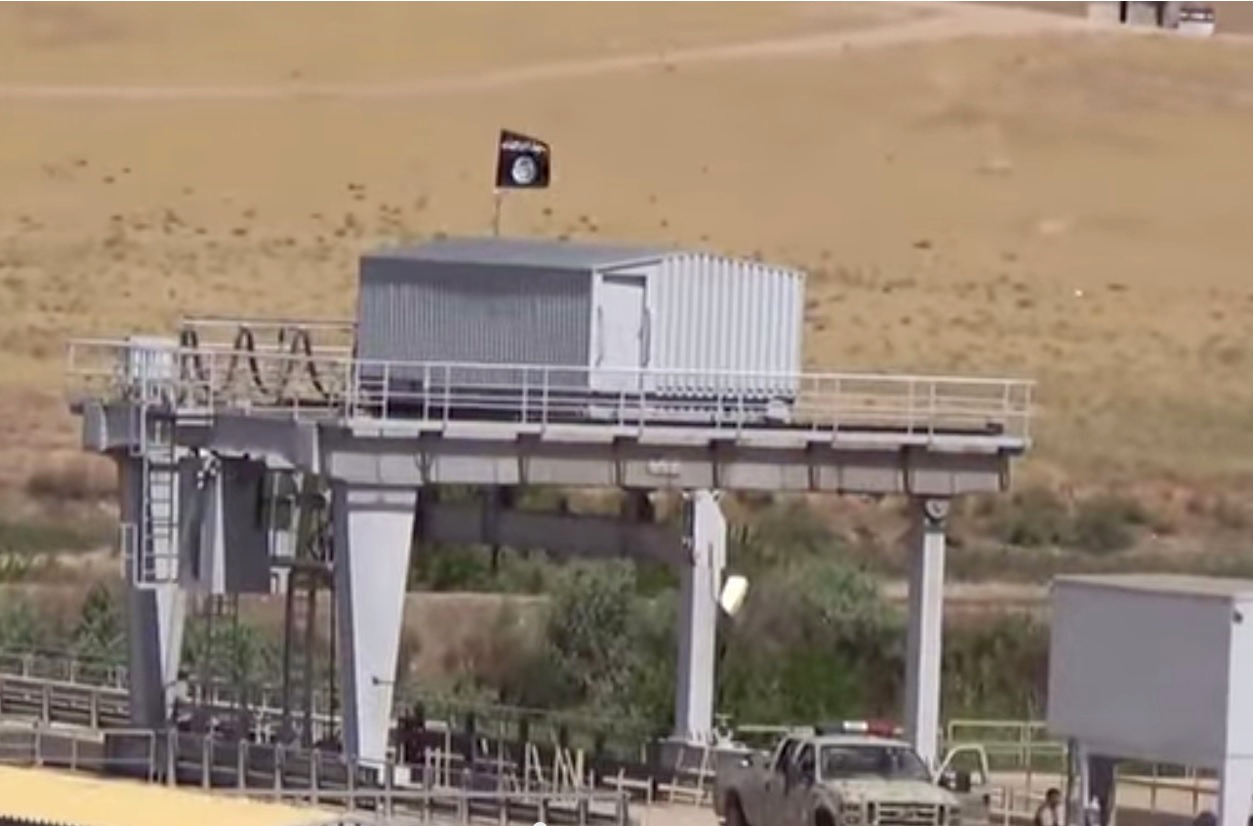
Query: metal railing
[(1024, 762), (1025, 749), (276, 773), (64, 672), (58, 688), (267, 378)]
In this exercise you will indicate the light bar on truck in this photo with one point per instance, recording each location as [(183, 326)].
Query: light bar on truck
[(872, 728)]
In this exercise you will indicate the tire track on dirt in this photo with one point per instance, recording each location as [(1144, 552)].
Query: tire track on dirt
[(942, 24)]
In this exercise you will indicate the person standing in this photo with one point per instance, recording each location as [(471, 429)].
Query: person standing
[(1049, 813)]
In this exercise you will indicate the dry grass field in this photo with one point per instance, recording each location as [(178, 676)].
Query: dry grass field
[(973, 188)]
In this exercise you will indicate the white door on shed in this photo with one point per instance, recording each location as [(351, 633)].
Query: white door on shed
[(621, 345)]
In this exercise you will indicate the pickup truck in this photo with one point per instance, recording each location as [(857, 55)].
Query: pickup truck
[(848, 775)]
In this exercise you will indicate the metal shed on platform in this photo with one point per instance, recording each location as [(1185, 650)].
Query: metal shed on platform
[(1156, 668), (673, 323)]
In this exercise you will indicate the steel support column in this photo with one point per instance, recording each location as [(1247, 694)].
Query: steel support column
[(373, 533), (923, 630), (1235, 790), (700, 580), (156, 614)]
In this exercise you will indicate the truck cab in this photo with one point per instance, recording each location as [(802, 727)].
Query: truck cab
[(847, 775)]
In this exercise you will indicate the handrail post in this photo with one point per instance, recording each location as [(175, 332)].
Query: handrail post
[(389, 802), (351, 763), (351, 388), (448, 392), (278, 769), (1026, 751), (387, 391), (544, 396), (314, 758), (426, 391), (523, 411), (171, 755), (206, 762), (910, 402), (931, 409)]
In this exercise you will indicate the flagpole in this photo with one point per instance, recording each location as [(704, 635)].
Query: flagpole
[(498, 197)]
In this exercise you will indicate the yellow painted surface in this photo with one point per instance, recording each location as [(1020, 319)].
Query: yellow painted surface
[(87, 801)]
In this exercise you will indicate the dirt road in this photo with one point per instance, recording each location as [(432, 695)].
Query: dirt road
[(931, 22)]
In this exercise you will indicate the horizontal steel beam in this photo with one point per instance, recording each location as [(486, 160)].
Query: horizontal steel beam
[(562, 534), (413, 454)]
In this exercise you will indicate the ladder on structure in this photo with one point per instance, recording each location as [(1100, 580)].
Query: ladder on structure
[(692, 784), (308, 572), (150, 544)]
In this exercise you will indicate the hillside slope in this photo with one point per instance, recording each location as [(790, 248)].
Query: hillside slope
[(973, 189)]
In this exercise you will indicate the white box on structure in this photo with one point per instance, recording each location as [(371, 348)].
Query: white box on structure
[(1156, 668)]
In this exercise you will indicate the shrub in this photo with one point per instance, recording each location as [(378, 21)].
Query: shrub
[(101, 630), (1231, 513), (22, 628), (35, 536), (1033, 518), (19, 568), (1107, 523), (814, 639), (782, 534), (998, 668), (79, 479)]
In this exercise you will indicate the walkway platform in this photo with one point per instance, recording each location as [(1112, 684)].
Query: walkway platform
[(326, 413)]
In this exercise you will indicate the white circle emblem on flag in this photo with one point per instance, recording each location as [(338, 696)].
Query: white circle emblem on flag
[(524, 170)]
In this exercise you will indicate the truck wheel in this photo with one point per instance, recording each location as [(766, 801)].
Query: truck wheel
[(735, 813)]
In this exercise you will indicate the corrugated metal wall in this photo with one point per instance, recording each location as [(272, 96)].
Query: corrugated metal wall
[(718, 314), (423, 312), (706, 314)]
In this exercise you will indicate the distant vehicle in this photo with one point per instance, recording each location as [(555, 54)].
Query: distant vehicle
[(850, 774), (1196, 20)]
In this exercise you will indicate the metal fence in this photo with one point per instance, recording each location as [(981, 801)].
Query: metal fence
[(271, 378), (275, 773), (1023, 751), (34, 674), (1023, 758)]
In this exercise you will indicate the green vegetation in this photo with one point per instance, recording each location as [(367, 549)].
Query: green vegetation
[(23, 627), (815, 639), (1037, 517), (236, 653), (101, 630), (46, 535)]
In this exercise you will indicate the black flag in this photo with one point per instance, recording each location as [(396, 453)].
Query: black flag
[(522, 162)]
